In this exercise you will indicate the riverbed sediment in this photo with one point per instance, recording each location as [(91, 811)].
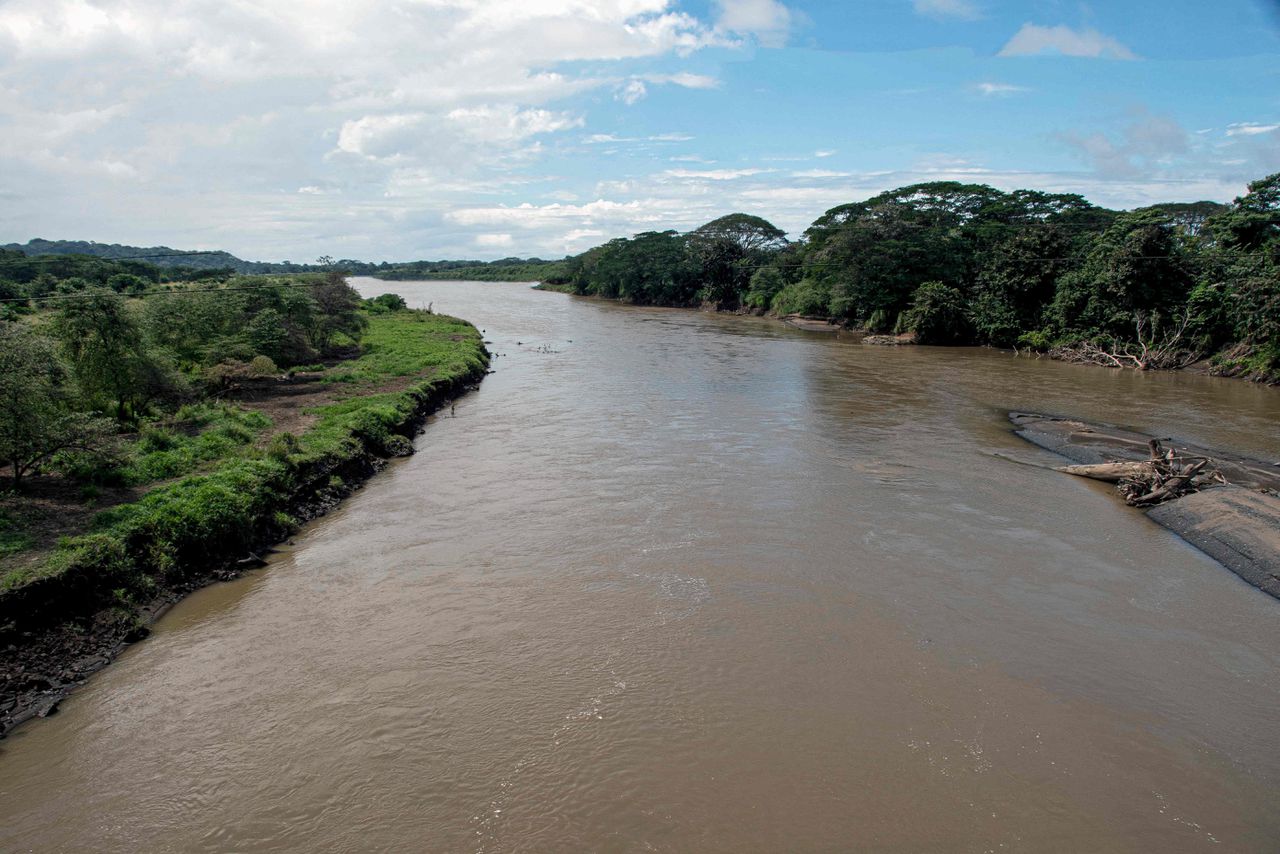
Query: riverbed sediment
[(1237, 524)]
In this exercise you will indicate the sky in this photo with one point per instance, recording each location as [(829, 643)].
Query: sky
[(407, 129)]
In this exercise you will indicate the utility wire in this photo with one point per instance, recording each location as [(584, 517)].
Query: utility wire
[(47, 257), (180, 292)]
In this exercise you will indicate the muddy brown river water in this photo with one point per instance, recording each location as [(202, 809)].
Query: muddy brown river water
[(679, 582)]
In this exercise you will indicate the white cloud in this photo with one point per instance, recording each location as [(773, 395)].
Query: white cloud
[(1146, 144), (631, 92), (684, 78), (154, 120), (1250, 129), (715, 174), (613, 139), (493, 241), (824, 152), (645, 211), (994, 90), (961, 9), (768, 20), (1034, 40), (819, 173), (635, 89)]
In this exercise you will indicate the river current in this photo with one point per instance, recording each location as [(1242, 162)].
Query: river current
[(673, 581)]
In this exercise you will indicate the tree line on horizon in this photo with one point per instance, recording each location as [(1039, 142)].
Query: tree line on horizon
[(955, 263)]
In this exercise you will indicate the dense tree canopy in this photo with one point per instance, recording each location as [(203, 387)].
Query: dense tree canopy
[(1004, 268)]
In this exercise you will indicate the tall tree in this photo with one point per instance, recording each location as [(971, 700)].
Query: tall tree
[(107, 352), (35, 419)]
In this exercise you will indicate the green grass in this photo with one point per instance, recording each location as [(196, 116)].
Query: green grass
[(13, 536), (215, 515), (164, 452), (409, 343)]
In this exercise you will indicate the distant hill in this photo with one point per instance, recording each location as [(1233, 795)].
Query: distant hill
[(506, 269), (160, 256)]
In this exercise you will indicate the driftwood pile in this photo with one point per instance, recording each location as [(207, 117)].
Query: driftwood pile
[(1168, 350), (1165, 475)]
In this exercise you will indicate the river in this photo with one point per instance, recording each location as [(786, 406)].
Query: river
[(672, 581)]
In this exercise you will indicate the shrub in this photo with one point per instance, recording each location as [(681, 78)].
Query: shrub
[(805, 297), (937, 314), (263, 366), (1037, 339), (385, 302)]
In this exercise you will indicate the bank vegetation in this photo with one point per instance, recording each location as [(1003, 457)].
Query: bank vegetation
[(1160, 287), (154, 437)]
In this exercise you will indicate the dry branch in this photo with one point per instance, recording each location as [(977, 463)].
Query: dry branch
[(1164, 476), (1166, 353)]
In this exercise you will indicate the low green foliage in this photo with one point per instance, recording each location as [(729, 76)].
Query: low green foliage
[(218, 514), (383, 303), (13, 534), (937, 314), (164, 452), (805, 297)]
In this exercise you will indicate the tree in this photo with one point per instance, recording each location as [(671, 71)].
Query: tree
[(337, 311), (267, 334), (127, 283), (35, 421), (937, 314), (1253, 220), (727, 250), (107, 352), (748, 233), (1016, 278), (1135, 270)]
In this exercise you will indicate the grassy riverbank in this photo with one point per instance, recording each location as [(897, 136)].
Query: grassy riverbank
[(275, 452)]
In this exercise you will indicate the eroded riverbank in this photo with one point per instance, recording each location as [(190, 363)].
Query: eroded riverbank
[(67, 618)]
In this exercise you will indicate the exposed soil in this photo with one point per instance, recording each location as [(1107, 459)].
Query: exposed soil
[(811, 324), (286, 402), (290, 402), (50, 507)]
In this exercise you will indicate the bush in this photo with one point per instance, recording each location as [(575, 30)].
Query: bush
[(384, 303), (1038, 340), (263, 366), (880, 321), (805, 297), (153, 438), (766, 283), (937, 314), (283, 446)]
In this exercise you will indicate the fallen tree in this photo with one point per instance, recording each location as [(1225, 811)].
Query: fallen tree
[(1164, 476), (1152, 352)]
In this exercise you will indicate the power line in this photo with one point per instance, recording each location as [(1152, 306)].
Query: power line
[(73, 256), (172, 293)]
